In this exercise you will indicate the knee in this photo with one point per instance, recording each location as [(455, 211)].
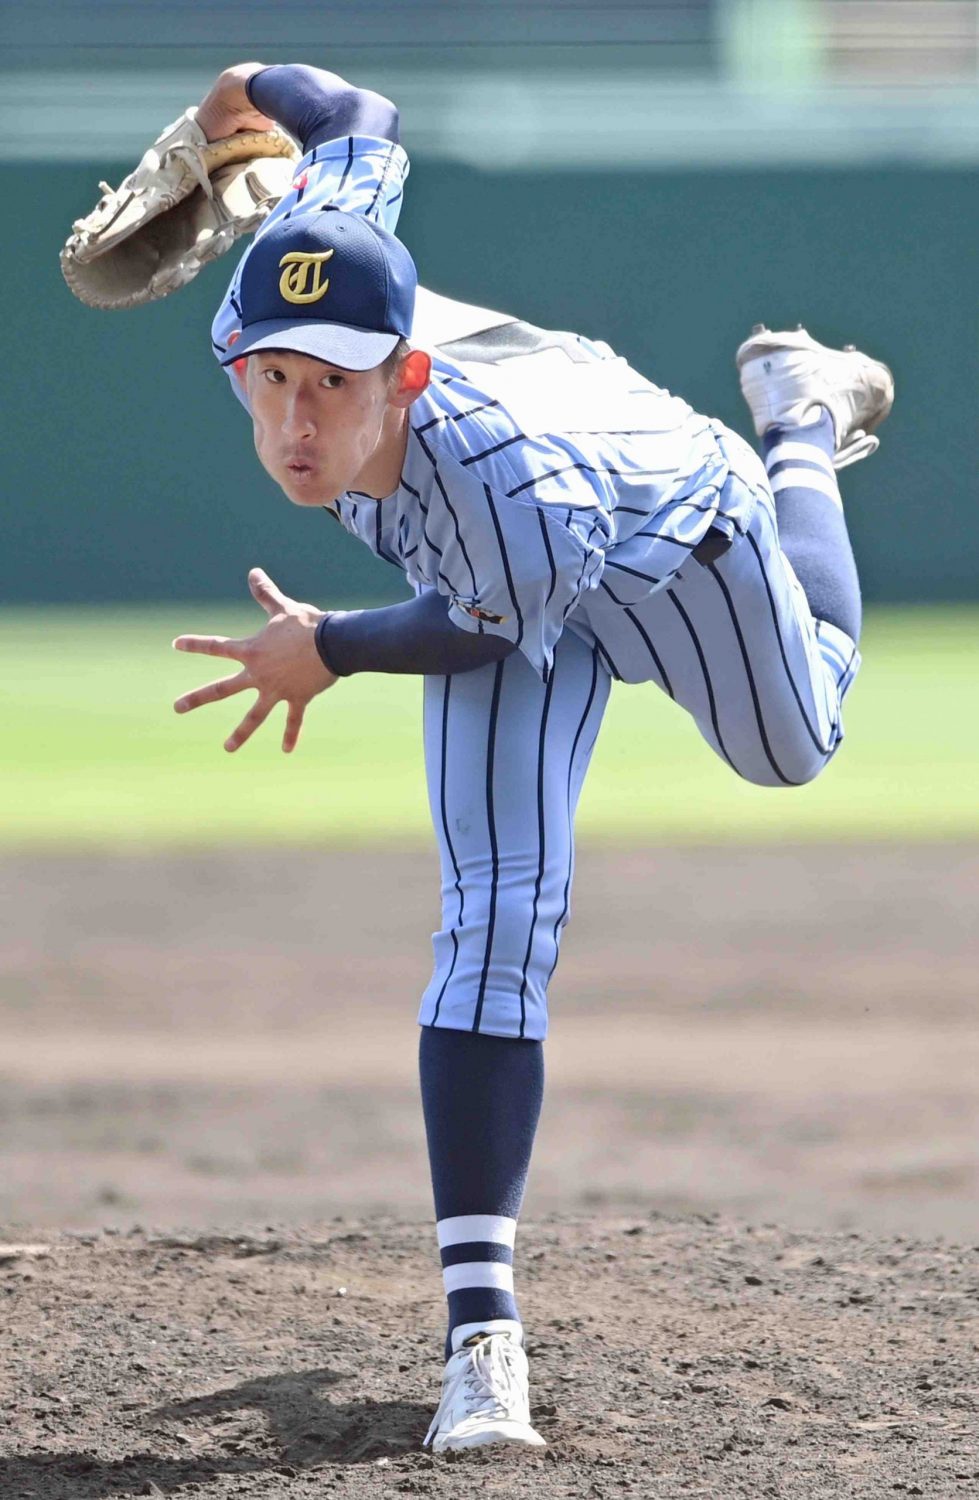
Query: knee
[(492, 970), (793, 766)]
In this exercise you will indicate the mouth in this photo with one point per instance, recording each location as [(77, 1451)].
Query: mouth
[(298, 468)]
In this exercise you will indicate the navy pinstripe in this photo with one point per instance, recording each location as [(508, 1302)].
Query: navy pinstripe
[(493, 841), (817, 741), (505, 560), (756, 705), (447, 841), (566, 898), (708, 685), (542, 847)]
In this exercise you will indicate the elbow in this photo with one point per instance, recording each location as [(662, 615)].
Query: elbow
[(352, 111), (317, 106), (375, 115)]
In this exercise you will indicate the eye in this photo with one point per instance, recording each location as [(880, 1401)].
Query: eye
[(273, 375), (333, 381)]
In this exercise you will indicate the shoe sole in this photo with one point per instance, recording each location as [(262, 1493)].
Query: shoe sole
[(776, 343), (487, 1439)]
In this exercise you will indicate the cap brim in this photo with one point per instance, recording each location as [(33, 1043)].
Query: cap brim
[(334, 343)]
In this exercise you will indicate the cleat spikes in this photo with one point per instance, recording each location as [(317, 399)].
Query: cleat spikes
[(759, 328)]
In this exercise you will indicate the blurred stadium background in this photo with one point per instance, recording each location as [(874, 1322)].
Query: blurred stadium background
[(659, 175)]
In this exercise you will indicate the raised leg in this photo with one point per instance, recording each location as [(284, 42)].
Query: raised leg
[(757, 640)]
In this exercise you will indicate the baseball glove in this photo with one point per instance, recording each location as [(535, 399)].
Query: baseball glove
[(184, 205)]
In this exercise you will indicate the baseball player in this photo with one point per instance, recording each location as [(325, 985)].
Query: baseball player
[(563, 523)]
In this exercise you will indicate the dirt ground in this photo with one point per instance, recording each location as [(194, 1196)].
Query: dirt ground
[(748, 1261), (786, 1033), (670, 1358)]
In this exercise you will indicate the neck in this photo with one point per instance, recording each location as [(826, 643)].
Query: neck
[(381, 475)]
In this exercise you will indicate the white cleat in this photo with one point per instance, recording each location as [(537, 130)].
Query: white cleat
[(484, 1397), (785, 376)]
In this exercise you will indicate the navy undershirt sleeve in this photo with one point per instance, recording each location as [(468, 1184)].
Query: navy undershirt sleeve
[(316, 106), (416, 637)]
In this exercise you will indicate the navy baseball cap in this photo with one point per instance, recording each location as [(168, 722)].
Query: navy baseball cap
[(329, 284)]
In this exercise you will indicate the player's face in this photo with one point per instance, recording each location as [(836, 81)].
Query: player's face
[(319, 429)]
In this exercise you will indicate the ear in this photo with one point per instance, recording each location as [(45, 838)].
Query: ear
[(414, 375), (240, 365)]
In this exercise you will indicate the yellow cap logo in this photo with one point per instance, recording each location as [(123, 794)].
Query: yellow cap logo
[(302, 278)]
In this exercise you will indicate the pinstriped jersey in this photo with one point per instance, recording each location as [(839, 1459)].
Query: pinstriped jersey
[(517, 516), (533, 488)]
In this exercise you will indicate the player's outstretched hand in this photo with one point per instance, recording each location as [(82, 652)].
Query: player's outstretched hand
[(226, 107), (281, 663)]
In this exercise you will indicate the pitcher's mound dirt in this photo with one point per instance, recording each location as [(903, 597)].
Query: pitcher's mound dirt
[(670, 1358)]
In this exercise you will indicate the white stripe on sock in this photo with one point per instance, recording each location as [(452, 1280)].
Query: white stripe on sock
[(792, 452), (805, 479), (477, 1273), (464, 1229)]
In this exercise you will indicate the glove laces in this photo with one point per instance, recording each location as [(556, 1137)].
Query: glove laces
[(192, 159)]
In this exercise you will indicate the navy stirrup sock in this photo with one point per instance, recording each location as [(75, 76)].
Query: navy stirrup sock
[(481, 1097), (811, 528)]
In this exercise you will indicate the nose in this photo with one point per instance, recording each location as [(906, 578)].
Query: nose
[(297, 419)]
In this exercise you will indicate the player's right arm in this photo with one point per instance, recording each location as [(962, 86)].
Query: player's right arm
[(351, 155)]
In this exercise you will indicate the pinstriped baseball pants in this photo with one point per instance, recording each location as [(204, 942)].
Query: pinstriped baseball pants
[(732, 641)]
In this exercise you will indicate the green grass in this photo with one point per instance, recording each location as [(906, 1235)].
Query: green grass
[(92, 755)]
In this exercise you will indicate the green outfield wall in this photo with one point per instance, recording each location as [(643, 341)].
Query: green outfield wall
[(128, 466)]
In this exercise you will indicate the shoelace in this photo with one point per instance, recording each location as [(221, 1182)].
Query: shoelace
[(490, 1383), (858, 445)]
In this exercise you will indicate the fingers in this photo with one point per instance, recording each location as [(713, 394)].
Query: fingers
[(210, 645), (256, 121), (254, 719), (294, 723), (267, 593), (214, 692)]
